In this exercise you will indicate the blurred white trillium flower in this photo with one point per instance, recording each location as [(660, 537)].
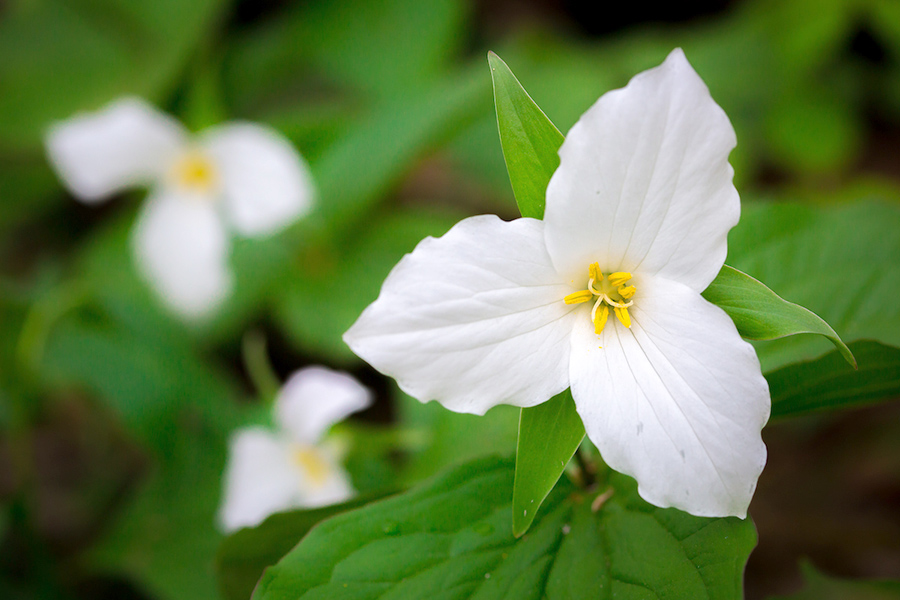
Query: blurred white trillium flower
[(238, 176), (295, 465), (635, 225)]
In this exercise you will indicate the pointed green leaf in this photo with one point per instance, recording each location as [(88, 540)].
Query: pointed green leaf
[(549, 434), (835, 256), (450, 538), (761, 314), (828, 383), (530, 141)]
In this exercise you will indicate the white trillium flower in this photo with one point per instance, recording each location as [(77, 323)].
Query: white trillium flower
[(635, 225), (240, 176), (294, 466)]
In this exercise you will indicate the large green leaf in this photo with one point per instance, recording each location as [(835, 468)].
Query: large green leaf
[(529, 139), (760, 314), (828, 383), (451, 539), (245, 554), (840, 261), (549, 434)]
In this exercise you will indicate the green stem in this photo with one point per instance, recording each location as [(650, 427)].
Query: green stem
[(259, 369), (588, 471)]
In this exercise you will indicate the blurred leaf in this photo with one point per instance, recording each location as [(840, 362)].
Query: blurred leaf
[(530, 141), (452, 538), (828, 383), (121, 345), (443, 439), (245, 554), (166, 538), (804, 33), (813, 129), (824, 587), (549, 434), (26, 187), (760, 314), (839, 261), (58, 57), (384, 49), (332, 283)]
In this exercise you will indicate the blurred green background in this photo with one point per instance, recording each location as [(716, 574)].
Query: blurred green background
[(114, 415)]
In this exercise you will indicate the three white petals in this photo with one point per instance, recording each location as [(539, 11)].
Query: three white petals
[(237, 177)]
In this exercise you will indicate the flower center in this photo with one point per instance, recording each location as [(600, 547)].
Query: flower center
[(313, 464), (194, 172), (609, 291)]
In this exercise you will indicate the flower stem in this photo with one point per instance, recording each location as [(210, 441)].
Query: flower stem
[(259, 368), (588, 470)]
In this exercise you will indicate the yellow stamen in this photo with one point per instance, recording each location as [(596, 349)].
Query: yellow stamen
[(194, 171), (627, 292), (595, 273), (622, 314), (313, 464), (619, 278), (600, 317), (578, 297)]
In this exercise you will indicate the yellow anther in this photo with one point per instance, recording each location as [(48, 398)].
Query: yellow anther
[(595, 273), (618, 278), (627, 292), (578, 297), (600, 317), (313, 464), (622, 314), (194, 171)]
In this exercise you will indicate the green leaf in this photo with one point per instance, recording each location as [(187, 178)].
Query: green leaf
[(530, 141), (245, 554), (549, 434), (451, 539), (838, 260), (820, 586), (760, 314), (828, 383)]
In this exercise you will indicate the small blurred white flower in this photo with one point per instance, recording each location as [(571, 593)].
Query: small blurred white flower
[(241, 176), (292, 467)]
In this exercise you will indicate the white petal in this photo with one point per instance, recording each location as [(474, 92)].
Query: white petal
[(315, 398), (181, 247), (265, 182), (263, 476), (335, 487), (473, 319), (677, 401), (260, 479), (125, 144), (644, 182)]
